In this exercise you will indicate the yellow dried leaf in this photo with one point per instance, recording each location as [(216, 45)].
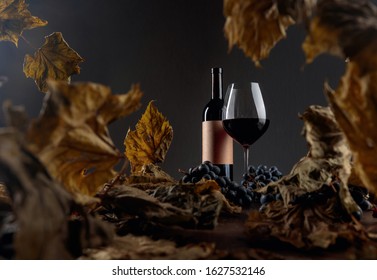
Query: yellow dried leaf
[(255, 26), (343, 28), (150, 141), (71, 137), (15, 18), (320, 39), (55, 60)]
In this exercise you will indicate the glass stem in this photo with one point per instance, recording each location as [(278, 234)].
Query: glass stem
[(246, 158)]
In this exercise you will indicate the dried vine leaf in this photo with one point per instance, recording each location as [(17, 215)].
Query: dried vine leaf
[(144, 248), (299, 10), (306, 228), (354, 104), (150, 141), (148, 208), (150, 173), (15, 18), (343, 28), (71, 136), (255, 26), (43, 209), (129, 202), (313, 213), (55, 60)]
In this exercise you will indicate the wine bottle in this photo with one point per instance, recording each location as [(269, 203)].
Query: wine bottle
[(217, 145)]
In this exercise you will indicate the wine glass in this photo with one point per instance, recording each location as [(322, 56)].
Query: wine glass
[(244, 115)]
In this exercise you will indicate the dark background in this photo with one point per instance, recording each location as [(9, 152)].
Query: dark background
[(169, 46)]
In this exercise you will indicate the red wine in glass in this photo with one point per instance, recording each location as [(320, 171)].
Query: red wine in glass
[(246, 130), (244, 115)]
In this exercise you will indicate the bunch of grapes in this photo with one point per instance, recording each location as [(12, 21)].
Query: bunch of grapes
[(257, 178), (243, 193), (246, 192)]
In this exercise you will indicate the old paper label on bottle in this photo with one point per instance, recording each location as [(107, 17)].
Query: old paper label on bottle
[(217, 145)]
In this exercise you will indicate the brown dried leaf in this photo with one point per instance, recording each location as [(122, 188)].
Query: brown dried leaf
[(308, 227), (150, 141), (255, 26), (132, 202), (71, 135), (166, 204), (299, 10), (144, 248), (43, 208), (354, 105), (342, 28), (15, 18), (318, 221), (150, 174), (55, 60), (320, 40)]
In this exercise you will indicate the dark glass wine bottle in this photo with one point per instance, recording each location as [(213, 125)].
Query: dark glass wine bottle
[(217, 145)]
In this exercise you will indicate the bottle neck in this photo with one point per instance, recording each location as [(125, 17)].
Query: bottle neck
[(217, 86)]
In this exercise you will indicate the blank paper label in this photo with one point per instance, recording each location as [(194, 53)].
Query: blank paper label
[(217, 145)]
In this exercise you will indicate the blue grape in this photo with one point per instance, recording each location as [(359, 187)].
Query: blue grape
[(216, 169), (266, 198), (203, 168)]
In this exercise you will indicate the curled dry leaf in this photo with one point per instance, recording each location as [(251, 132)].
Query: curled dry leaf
[(129, 202), (150, 173), (164, 205), (51, 225), (313, 213), (354, 105), (150, 141), (15, 18), (55, 60), (306, 228), (71, 136), (342, 28), (255, 26)]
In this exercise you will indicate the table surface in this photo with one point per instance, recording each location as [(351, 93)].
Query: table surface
[(232, 242)]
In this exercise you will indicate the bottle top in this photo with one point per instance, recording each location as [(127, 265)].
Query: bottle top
[(216, 70)]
